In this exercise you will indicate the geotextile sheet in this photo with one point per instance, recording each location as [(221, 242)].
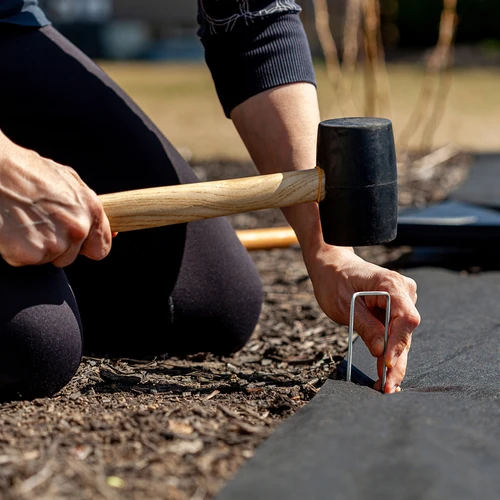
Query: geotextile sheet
[(481, 187), (468, 218), (437, 439), (448, 224)]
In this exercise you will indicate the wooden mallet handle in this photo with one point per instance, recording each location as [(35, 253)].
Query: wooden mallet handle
[(267, 238), (163, 206), (355, 180)]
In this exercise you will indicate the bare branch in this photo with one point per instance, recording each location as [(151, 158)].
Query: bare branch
[(352, 28), (441, 58), (328, 45), (329, 48), (371, 56), (377, 92)]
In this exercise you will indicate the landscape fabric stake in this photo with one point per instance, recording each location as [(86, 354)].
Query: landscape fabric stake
[(351, 332)]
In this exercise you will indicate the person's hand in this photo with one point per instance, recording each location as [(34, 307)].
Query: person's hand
[(336, 274), (47, 213)]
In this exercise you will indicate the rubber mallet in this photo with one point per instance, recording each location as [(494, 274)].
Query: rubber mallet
[(354, 182)]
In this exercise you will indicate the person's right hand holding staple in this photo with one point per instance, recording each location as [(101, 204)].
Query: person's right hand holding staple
[(341, 270)]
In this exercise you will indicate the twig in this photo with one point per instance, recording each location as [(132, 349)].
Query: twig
[(439, 105), (199, 494), (330, 52), (37, 479), (328, 45), (371, 55), (212, 394), (91, 477), (377, 97), (350, 53), (384, 90), (440, 57), (422, 168)]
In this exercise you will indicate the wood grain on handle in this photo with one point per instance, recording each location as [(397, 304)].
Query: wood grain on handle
[(163, 206)]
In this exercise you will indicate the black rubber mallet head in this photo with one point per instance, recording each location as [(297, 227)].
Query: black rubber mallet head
[(355, 184), (358, 157)]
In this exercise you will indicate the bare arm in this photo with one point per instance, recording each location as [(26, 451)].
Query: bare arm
[(279, 127), (47, 213)]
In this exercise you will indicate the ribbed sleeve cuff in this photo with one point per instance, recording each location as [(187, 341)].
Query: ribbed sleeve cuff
[(272, 51)]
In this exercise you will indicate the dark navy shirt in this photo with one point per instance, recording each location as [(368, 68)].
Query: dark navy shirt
[(23, 12)]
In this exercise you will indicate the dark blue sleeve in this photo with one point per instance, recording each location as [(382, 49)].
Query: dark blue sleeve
[(22, 12), (253, 45)]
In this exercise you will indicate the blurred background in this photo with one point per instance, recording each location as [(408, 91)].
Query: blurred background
[(431, 66)]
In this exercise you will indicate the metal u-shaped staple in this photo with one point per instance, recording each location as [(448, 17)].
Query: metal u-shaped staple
[(351, 332)]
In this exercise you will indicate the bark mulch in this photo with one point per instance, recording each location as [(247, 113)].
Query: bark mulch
[(178, 429)]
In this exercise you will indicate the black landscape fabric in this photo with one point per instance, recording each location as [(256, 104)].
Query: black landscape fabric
[(448, 224), (437, 439), (468, 218), (481, 186)]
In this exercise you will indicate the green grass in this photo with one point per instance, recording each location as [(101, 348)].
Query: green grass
[(181, 100)]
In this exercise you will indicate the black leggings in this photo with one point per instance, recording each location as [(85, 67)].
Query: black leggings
[(172, 290)]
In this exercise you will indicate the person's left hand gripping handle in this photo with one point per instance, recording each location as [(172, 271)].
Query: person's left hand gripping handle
[(47, 213)]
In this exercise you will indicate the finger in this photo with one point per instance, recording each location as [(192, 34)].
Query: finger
[(401, 330), (380, 364), (26, 253), (411, 287), (396, 374), (69, 255), (370, 329), (404, 316), (16, 260), (98, 243)]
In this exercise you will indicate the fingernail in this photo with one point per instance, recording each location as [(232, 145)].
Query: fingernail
[(392, 362), (377, 345), (398, 389)]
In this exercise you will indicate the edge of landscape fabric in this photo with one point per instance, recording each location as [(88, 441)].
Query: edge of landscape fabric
[(437, 439)]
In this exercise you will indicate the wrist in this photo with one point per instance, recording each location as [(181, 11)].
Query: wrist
[(305, 221)]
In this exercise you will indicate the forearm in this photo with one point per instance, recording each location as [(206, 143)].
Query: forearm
[(279, 128), (264, 77)]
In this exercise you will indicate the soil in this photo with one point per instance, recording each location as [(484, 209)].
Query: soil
[(179, 429)]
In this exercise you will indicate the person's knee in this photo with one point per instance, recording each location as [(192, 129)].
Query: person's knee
[(220, 331), (230, 339), (213, 336), (238, 324), (42, 349)]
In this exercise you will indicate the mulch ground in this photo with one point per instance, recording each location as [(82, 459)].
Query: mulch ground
[(179, 429)]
